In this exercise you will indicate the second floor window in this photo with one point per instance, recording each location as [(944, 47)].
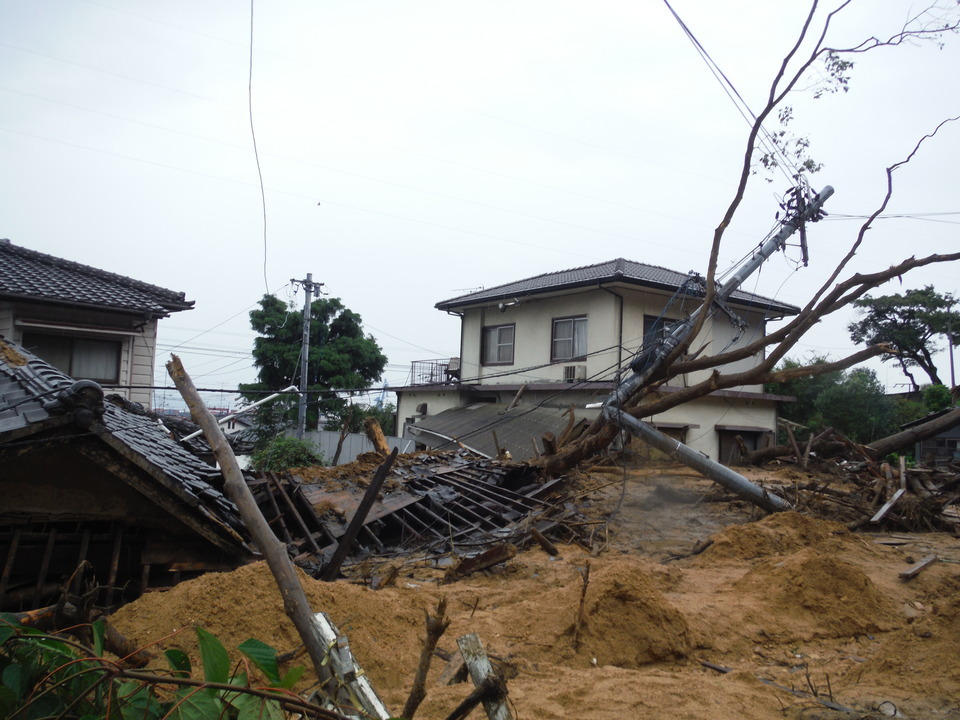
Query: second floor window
[(497, 345), (569, 339), (80, 358)]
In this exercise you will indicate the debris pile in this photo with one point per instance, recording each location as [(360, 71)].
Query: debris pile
[(449, 509)]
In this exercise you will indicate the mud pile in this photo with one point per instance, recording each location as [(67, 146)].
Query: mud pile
[(788, 599)]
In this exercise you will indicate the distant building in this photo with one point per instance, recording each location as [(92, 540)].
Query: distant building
[(89, 323), (565, 336)]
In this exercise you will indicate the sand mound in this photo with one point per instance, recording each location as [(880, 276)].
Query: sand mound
[(627, 620), (778, 534), (820, 592), (922, 655), (382, 626)]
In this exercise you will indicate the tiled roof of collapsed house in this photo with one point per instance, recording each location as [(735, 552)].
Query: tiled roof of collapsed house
[(613, 271), (36, 397), (31, 275)]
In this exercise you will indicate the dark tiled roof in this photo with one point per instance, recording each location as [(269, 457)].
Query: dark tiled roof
[(613, 271), (31, 275), (29, 392), (473, 427)]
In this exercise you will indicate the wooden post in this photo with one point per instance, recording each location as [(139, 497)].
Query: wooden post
[(8, 565), (44, 565), (295, 601), (482, 672)]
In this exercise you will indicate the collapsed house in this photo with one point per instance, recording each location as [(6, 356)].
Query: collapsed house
[(97, 496)]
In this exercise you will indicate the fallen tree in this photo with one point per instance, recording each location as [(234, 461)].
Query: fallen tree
[(638, 396)]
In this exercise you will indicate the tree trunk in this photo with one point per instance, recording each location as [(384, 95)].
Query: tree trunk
[(375, 434), (295, 601), (892, 443)]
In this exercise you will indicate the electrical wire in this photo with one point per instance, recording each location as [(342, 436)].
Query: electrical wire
[(256, 154)]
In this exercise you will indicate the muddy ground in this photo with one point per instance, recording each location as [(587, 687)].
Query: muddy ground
[(783, 602)]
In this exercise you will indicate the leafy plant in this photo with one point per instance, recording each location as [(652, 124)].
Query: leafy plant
[(281, 453), (49, 676)]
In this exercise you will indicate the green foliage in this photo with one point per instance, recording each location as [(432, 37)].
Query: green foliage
[(854, 403), (341, 357), (806, 390), (858, 407), (937, 397), (281, 453), (48, 676), (355, 415), (909, 323)]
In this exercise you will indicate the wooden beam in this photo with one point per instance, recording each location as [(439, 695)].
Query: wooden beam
[(482, 672), (356, 522), (918, 567), (890, 503), (8, 565), (44, 565)]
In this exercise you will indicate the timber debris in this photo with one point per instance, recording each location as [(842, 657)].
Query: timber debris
[(455, 510)]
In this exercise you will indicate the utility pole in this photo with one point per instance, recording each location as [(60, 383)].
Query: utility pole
[(652, 360), (310, 289)]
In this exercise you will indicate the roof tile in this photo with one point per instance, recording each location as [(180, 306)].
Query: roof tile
[(31, 275)]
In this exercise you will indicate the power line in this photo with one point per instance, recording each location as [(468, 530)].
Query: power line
[(256, 155)]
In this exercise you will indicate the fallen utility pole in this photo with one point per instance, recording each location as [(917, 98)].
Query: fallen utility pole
[(652, 360)]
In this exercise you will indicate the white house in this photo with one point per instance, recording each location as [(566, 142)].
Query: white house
[(565, 336), (89, 323)]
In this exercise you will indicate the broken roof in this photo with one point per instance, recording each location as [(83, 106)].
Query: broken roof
[(37, 277), (473, 426), (35, 398), (619, 270)]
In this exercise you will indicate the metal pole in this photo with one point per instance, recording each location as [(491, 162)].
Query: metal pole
[(715, 471), (691, 458), (304, 355), (953, 377), (683, 328)]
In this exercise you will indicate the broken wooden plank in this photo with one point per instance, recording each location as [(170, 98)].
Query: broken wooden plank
[(482, 672), (488, 558), (349, 675), (356, 522), (889, 504), (293, 510), (918, 567), (454, 672)]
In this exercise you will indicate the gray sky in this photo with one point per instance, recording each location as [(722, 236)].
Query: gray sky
[(450, 146)]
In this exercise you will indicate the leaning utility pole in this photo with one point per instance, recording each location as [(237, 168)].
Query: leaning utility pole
[(651, 360), (310, 290)]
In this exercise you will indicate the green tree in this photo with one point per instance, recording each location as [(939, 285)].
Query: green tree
[(341, 357), (353, 416), (909, 323), (858, 406), (805, 390), (937, 397)]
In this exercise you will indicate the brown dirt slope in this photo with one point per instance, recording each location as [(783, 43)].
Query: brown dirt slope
[(787, 599)]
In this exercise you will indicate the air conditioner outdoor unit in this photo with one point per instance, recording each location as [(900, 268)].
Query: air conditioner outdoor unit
[(574, 373)]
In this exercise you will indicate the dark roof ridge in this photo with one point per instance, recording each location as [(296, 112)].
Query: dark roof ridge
[(618, 269), (619, 263), (173, 295)]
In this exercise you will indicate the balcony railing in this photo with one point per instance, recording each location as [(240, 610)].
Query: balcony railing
[(435, 372)]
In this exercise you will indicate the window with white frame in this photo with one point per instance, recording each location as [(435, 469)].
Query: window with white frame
[(79, 357), (497, 345), (569, 339)]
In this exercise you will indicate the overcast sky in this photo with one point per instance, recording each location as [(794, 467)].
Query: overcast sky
[(413, 151)]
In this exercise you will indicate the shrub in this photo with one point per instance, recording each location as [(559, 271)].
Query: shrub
[(286, 452)]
